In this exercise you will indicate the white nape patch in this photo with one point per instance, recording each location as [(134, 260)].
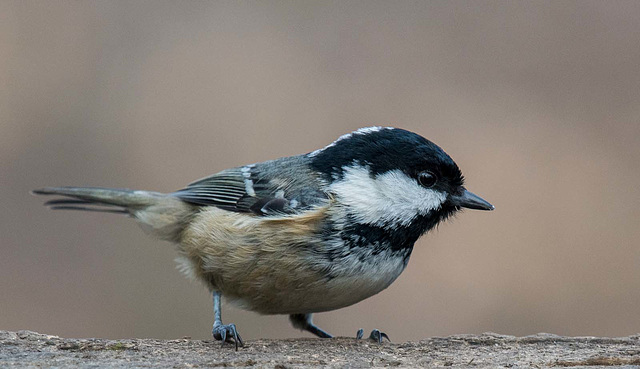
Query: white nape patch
[(361, 131), (248, 183), (391, 198)]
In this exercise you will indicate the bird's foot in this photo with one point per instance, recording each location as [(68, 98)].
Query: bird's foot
[(375, 335), (227, 333)]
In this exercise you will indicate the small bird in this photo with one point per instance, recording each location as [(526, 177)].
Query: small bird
[(301, 234)]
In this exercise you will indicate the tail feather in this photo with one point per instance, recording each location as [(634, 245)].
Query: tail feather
[(105, 196), (69, 201), (86, 208), (162, 215), (85, 205)]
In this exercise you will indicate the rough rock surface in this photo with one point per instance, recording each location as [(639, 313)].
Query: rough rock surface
[(30, 349)]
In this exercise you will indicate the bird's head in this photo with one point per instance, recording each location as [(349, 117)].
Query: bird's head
[(392, 178)]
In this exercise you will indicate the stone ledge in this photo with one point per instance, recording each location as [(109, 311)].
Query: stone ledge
[(489, 350)]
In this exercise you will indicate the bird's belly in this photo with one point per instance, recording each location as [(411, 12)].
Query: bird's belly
[(309, 291), (277, 276), (280, 289)]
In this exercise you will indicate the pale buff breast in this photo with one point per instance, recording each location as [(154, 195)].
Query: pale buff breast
[(276, 265)]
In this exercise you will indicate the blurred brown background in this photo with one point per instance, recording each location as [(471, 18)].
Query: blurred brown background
[(538, 102)]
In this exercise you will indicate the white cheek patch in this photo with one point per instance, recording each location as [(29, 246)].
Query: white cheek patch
[(392, 198)]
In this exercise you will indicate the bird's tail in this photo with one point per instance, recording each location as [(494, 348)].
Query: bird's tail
[(162, 215)]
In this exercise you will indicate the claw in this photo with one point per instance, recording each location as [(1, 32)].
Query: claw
[(378, 336), (375, 335), (223, 337), (227, 333)]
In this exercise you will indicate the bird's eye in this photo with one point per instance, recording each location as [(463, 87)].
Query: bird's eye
[(427, 179)]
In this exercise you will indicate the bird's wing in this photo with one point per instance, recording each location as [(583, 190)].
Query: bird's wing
[(278, 187)]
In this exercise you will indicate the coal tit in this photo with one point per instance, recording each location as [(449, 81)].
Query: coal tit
[(301, 234)]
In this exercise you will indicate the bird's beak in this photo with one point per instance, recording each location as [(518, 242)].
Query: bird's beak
[(470, 200)]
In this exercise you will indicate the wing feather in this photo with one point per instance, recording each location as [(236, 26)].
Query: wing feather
[(276, 187)]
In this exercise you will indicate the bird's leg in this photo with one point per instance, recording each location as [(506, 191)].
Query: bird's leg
[(223, 332), (375, 335), (305, 323)]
